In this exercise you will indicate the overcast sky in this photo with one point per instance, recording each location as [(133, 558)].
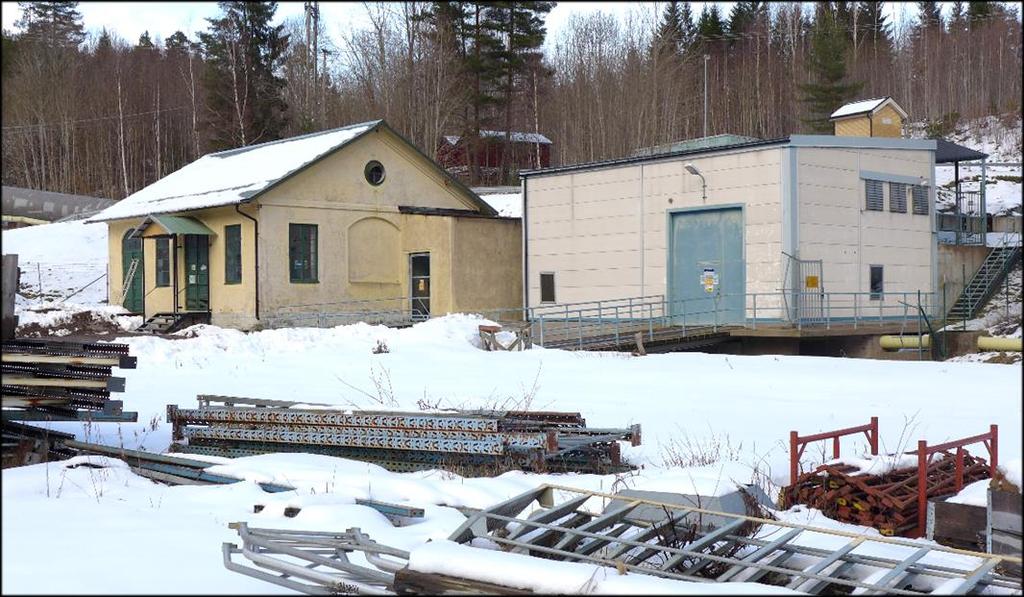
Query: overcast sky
[(161, 19)]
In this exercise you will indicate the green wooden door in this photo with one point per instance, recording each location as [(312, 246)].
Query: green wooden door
[(197, 272), (131, 283)]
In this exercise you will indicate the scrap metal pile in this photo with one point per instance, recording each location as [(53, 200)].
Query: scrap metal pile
[(887, 502), (656, 534), (45, 380), (470, 442)]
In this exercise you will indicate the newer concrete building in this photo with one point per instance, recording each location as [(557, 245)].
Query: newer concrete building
[(796, 228), (352, 219)]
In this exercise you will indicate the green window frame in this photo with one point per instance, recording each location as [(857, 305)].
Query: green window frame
[(302, 253), (233, 254), (163, 262)]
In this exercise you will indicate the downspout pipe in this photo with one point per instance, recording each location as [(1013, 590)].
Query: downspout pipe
[(256, 255)]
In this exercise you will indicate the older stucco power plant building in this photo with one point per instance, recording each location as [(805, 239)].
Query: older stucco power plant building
[(351, 219)]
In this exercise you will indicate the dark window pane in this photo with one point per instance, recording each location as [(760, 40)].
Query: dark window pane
[(233, 254), (302, 252), (163, 262), (547, 288), (421, 265), (877, 285)]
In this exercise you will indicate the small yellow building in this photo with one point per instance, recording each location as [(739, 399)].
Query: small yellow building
[(354, 219), (877, 117)]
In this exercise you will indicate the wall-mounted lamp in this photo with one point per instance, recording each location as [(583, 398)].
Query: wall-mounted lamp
[(704, 185)]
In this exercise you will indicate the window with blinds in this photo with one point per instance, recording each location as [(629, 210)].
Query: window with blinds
[(898, 197), (920, 200), (873, 195)]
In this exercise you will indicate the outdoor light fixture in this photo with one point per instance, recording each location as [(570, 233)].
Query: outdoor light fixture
[(704, 185)]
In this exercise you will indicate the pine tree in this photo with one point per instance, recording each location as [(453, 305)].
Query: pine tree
[(178, 41), (956, 16), (144, 40), (827, 61), (52, 23), (243, 52)]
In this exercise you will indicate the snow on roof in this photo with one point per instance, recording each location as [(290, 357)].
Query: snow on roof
[(231, 176), (514, 136), (865, 106)]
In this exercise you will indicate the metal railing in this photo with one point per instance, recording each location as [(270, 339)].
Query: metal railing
[(615, 322)]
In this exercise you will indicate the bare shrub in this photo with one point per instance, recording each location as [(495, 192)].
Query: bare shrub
[(380, 348), (384, 391)]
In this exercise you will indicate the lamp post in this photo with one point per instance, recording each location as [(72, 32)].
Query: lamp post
[(706, 58), (704, 185)]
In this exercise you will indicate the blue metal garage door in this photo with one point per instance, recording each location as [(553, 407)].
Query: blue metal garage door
[(706, 266)]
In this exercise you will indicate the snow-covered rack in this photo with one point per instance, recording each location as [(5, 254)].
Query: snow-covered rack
[(471, 441), (565, 527)]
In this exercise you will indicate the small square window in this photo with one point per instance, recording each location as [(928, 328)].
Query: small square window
[(877, 282), (547, 288)]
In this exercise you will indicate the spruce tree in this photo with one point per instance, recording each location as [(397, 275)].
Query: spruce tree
[(243, 52), (710, 27), (878, 30), (521, 26), (687, 29), (743, 17), (929, 14), (669, 38), (828, 89), (144, 40), (52, 23)]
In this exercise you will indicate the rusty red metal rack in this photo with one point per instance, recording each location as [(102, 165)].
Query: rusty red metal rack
[(896, 501)]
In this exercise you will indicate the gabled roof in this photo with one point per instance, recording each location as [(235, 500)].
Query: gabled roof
[(868, 106), (237, 175)]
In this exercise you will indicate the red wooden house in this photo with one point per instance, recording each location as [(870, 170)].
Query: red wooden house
[(524, 149)]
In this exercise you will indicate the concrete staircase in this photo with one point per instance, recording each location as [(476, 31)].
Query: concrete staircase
[(985, 282), (166, 323)]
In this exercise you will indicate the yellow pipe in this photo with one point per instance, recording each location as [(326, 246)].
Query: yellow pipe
[(898, 342), (988, 343)]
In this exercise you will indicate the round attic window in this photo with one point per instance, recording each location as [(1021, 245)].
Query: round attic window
[(374, 172)]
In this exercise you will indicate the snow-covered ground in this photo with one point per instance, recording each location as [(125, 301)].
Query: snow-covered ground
[(709, 422), (63, 279)]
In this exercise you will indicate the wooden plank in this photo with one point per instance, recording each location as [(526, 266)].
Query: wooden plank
[(114, 384), (1006, 511), (959, 525), (110, 361)]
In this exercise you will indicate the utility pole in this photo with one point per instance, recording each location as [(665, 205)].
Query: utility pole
[(706, 58)]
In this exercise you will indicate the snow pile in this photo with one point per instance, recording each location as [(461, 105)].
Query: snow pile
[(877, 465), (62, 319)]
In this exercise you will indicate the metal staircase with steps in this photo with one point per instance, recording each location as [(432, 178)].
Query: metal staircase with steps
[(985, 282), (166, 323)]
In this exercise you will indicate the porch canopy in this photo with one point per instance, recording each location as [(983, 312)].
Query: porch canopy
[(947, 152), (173, 225)]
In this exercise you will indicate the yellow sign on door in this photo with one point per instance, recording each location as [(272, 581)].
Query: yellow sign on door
[(811, 282)]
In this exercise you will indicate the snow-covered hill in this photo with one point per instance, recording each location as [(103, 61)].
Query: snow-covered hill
[(998, 136)]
